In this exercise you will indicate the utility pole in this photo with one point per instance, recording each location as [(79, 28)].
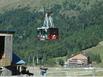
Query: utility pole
[(33, 61), (94, 72)]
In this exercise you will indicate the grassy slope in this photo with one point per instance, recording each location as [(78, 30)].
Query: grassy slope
[(34, 4), (10, 4), (97, 50)]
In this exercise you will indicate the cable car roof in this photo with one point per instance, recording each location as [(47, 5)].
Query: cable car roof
[(42, 27)]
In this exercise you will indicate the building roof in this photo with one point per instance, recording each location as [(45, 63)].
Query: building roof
[(7, 31), (78, 56), (17, 60)]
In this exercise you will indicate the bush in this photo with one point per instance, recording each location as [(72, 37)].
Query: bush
[(61, 62)]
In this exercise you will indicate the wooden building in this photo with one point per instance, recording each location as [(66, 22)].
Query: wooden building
[(78, 60), (6, 39)]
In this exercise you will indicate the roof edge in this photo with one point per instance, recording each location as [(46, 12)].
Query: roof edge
[(8, 31)]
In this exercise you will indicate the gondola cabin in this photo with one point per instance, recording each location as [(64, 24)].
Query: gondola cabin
[(47, 33), (42, 33), (53, 33)]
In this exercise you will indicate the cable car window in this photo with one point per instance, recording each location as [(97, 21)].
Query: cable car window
[(41, 31), (53, 31)]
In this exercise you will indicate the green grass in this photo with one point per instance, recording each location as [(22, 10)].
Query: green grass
[(33, 4), (37, 4), (72, 72), (97, 50)]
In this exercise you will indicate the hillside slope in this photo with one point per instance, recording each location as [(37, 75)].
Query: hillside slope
[(37, 4), (33, 4), (80, 24), (96, 50)]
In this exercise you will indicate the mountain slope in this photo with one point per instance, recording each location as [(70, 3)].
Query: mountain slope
[(37, 4), (33, 4), (80, 24), (97, 50)]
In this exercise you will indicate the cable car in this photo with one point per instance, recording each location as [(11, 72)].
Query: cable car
[(48, 31), (53, 34), (42, 33), (48, 34)]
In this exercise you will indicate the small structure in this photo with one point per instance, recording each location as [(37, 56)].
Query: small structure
[(6, 48), (43, 70), (5, 51), (17, 60), (78, 60), (16, 64), (10, 63)]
